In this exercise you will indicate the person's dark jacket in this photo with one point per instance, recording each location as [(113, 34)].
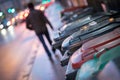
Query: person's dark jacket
[(37, 21)]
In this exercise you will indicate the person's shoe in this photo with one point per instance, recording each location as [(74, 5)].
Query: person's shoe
[(53, 49)]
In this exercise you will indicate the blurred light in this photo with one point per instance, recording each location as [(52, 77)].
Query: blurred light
[(25, 15), (21, 17), (1, 26), (42, 8), (10, 28), (111, 19), (11, 10), (85, 27), (26, 11), (1, 13), (45, 1), (13, 20), (3, 32), (11, 31), (8, 23)]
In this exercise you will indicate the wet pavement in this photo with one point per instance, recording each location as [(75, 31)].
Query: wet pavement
[(22, 56), (43, 69), (13, 52)]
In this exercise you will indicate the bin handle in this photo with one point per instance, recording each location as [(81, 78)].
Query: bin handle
[(99, 52)]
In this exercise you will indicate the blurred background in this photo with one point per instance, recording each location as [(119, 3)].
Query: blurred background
[(22, 56)]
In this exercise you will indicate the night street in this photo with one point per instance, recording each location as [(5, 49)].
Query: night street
[(84, 42), (22, 56), (14, 51)]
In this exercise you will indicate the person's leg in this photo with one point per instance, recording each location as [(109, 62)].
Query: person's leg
[(49, 40), (44, 45), (48, 37)]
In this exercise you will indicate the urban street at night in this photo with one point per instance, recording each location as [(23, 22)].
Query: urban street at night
[(59, 40)]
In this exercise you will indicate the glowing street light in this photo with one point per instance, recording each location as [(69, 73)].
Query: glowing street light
[(11, 10)]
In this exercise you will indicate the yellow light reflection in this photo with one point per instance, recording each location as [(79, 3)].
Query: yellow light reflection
[(42, 8), (85, 27), (111, 19)]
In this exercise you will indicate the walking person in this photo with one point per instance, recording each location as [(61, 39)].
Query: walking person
[(37, 21)]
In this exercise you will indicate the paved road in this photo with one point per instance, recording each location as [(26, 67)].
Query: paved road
[(22, 56), (14, 49)]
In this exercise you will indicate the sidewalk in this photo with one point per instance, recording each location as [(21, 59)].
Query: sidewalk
[(43, 68)]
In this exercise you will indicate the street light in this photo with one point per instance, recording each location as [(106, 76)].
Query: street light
[(11, 10)]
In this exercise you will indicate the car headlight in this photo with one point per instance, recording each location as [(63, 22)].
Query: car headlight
[(1, 26), (8, 23)]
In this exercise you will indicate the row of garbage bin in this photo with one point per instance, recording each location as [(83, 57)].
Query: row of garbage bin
[(88, 41)]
